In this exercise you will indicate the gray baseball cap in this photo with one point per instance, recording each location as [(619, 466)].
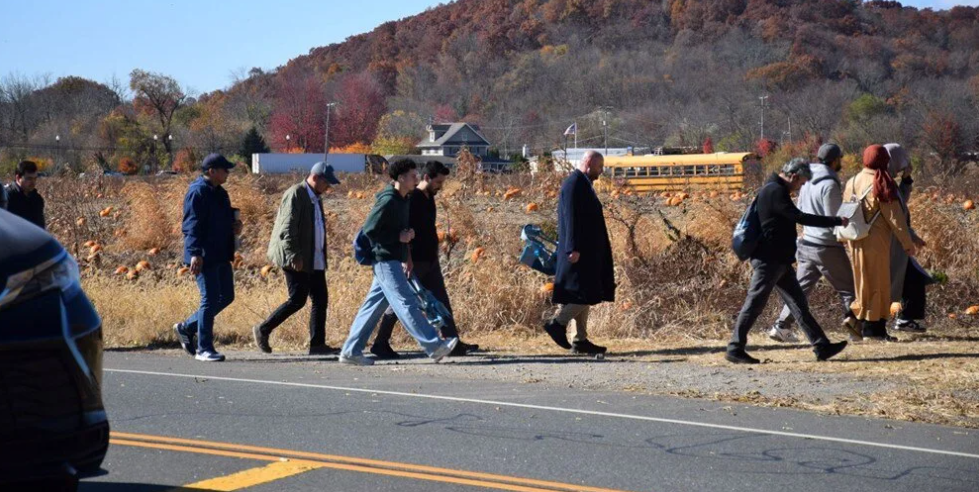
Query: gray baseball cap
[(829, 153), (325, 170)]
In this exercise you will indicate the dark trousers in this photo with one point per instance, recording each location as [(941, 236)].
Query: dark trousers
[(429, 274), (780, 277), (913, 295), (217, 286), (302, 285)]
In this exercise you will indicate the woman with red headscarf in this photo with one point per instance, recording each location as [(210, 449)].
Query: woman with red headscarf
[(871, 256)]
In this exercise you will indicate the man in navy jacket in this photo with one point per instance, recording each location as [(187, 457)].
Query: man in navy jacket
[(585, 275), (209, 229)]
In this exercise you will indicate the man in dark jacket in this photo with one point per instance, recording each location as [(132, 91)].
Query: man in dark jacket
[(389, 231), (23, 199), (425, 258), (298, 247), (209, 229), (772, 263), (585, 275)]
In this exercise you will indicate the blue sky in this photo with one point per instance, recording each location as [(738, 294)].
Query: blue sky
[(199, 42)]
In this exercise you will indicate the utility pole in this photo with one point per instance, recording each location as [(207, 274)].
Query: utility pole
[(605, 110), (326, 137), (790, 128), (763, 99)]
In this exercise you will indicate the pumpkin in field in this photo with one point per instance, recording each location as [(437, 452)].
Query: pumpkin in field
[(94, 249), (478, 253), (80, 221), (132, 275), (143, 265), (441, 236), (153, 251), (90, 243), (122, 270), (532, 207), (548, 287), (972, 310), (895, 308), (969, 205), (510, 193), (183, 271), (105, 212), (264, 272)]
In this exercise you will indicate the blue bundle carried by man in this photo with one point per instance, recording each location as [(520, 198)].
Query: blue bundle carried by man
[(538, 251)]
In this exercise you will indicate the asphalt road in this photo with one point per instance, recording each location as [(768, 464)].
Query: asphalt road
[(298, 424)]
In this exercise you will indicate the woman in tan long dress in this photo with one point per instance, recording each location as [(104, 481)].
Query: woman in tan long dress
[(871, 256)]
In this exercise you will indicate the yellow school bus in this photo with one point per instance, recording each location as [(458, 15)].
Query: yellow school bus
[(645, 173)]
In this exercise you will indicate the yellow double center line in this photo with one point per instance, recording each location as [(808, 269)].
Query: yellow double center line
[(300, 461)]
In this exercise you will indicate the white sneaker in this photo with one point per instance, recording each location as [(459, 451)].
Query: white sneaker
[(356, 360), (784, 335), (445, 349), (209, 356)]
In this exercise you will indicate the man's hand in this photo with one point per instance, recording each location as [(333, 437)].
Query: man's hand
[(573, 257), (918, 242), (297, 264), (196, 264), (845, 220), (407, 235), (239, 225)]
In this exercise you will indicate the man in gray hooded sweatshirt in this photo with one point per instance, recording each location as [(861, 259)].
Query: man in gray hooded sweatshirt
[(819, 253)]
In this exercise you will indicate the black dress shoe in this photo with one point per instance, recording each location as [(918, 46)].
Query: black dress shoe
[(740, 357), (261, 340), (384, 351), (826, 352), (558, 333), (463, 348), (584, 347), (323, 350)]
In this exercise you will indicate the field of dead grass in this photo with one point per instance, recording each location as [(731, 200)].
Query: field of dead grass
[(679, 286)]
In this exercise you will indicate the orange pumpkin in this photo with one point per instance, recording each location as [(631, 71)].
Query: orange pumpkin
[(532, 207), (132, 275), (182, 271), (94, 249), (441, 236), (90, 243), (264, 272), (972, 310), (350, 194), (153, 251), (478, 253), (968, 205), (122, 270), (510, 193), (143, 265), (548, 287)]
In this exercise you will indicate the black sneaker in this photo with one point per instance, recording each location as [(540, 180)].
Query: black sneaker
[(323, 350), (261, 340), (740, 357), (186, 339), (826, 352), (585, 347), (558, 333), (384, 351), (463, 349), (909, 326)]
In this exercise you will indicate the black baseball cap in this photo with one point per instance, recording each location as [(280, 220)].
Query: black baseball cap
[(217, 161)]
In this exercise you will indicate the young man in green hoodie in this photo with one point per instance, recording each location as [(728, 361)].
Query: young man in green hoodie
[(389, 231)]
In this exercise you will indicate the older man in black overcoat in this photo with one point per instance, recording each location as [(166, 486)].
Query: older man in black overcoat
[(585, 275)]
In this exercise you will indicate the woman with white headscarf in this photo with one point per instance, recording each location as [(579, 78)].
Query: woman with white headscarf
[(908, 278)]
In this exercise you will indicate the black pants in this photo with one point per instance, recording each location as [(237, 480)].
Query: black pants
[(913, 295), (768, 277), (302, 285), (429, 274)]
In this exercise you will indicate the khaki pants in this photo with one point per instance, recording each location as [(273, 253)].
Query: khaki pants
[(577, 312)]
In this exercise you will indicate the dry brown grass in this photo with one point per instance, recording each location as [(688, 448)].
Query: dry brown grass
[(678, 283)]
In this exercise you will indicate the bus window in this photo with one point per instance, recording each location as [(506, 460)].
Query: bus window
[(688, 170)]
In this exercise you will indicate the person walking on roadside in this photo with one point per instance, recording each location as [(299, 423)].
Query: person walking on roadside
[(820, 254), (425, 257), (771, 263), (209, 228), (908, 278), (877, 193), (585, 275), (23, 199), (389, 232), (298, 247)]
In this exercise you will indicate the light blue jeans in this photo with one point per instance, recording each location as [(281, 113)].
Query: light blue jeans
[(390, 288)]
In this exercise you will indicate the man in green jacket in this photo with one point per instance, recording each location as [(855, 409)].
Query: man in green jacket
[(298, 247), (389, 231)]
